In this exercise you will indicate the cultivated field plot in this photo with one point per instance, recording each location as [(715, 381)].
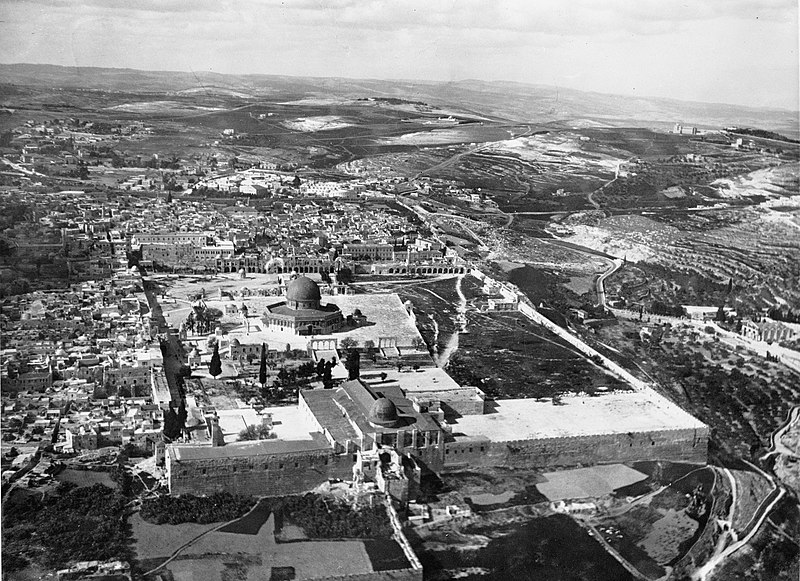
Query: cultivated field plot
[(656, 531), (453, 135), (545, 257), (85, 477), (539, 164), (155, 541), (686, 257), (591, 482), (638, 142), (249, 548), (515, 545)]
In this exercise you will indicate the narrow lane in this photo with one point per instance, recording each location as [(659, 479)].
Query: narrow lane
[(461, 322)]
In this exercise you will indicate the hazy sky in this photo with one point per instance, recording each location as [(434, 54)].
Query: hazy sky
[(732, 51)]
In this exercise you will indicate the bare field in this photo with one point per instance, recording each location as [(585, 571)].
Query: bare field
[(590, 482), (154, 541)]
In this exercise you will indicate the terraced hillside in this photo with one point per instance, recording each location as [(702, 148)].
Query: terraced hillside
[(755, 249)]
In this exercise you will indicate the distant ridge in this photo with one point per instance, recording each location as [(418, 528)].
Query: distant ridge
[(511, 100)]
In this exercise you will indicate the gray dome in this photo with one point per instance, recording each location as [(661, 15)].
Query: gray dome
[(384, 413), (303, 289)]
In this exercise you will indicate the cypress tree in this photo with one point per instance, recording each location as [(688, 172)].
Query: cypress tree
[(353, 364), (215, 367), (262, 370), (182, 416), (172, 427)]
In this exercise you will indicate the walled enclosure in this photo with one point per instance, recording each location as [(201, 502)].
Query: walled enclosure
[(687, 445)]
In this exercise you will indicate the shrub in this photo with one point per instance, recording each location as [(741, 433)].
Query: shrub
[(259, 432)]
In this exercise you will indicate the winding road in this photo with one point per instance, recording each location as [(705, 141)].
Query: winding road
[(776, 446)]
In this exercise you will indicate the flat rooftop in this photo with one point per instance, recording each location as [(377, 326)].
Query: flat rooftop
[(613, 413), (422, 380), (248, 449), (288, 422)]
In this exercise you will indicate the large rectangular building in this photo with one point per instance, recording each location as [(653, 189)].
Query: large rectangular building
[(322, 441), (615, 427)]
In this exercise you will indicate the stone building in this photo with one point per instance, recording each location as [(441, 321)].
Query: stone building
[(29, 381), (366, 418), (345, 421), (302, 313), (768, 331)]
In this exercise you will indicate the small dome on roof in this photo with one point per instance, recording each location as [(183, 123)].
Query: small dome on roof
[(303, 289), (384, 413), (235, 342)]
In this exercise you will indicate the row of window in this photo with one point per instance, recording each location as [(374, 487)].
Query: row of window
[(267, 468), (462, 451)]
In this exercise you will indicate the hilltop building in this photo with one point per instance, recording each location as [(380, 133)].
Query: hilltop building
[(681, 129)]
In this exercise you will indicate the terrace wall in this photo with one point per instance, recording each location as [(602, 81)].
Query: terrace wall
[(395, 575), (686, 445), (273, 475)]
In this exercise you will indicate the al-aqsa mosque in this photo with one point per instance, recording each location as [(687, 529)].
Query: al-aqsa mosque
[(302, 313)]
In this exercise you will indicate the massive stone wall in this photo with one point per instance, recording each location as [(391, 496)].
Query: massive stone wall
[(272, 475), (687, 445)]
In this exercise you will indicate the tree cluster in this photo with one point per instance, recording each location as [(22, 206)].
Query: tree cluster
[(659, 308), (784, 313), (174, 422), (202, 320), (175, 510), (327, 518), (324, 370), (259, 432), (73, 524)]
